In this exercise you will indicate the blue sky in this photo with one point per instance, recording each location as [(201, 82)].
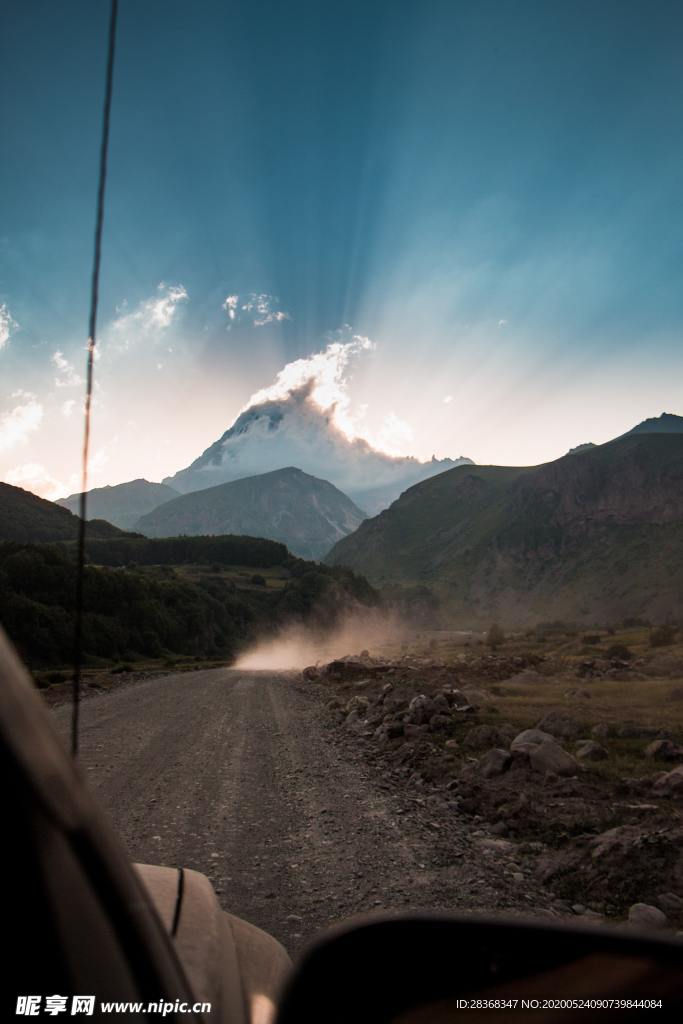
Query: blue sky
[(489, 191)]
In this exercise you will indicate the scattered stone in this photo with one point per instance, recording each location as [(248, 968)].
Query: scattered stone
[(670, 903), (601, 731), (664, 750), (496, 762), (643, 915), (525, 741), (670, 783), (439, 723), (551, 757), (589, 750), (420, 710)]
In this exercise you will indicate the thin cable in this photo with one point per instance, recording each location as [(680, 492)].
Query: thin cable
[(92, 335)]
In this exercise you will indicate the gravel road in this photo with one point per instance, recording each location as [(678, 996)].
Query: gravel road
[(235, 774)]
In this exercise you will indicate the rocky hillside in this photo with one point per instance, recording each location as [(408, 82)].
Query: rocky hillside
[(570, 783), (28, 519), (594, 535), (307, 514), (122, 504)]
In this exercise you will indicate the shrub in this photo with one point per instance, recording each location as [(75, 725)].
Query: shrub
[(619, 651), (495, 637)]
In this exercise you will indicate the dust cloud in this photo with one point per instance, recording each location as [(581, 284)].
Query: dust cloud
[(295, 647)]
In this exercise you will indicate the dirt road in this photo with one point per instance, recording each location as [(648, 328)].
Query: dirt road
[(234, 774)]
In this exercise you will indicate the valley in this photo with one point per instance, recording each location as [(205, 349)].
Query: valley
[(397, 781)]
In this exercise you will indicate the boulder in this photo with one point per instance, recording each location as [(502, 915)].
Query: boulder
[(496, 762), (359, 704), (671, 783), (642, 915), (420, 710), (670, 903), (589, 750), (664, 750), (525, 741), (549, 756)]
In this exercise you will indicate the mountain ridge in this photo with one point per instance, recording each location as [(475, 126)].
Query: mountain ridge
[(121, 504), (591, 534), (302, 511)]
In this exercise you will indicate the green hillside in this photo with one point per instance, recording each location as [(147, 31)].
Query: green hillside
[(26, 518), (143, 611)]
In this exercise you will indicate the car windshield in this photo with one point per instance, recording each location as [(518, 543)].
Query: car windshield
[(381, 602)]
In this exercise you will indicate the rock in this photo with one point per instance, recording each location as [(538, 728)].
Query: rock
[(643, 915), (670, 903), (601, 731), (481, 736), (414, 730), (311, 672), (359, 704), (420, 710), (676, 693), (664, 750), (439, 723), (441, 704), (499, 829), (577, 694), (633, 731), (392, 730), (549, 756), (451, 745), (496, 762), (558, 724), (578, 908), (525, 741), (589, 750), (454, 697), (671, 783)]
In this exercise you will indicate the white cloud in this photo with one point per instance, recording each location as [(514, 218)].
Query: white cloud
[(68, 407), (66, 374), (259, 310), (230, 306), (152, 316), (502, 323), (7, 325), (447, 399), (394, 436), (21, 421), (33, 476), (325, 377)]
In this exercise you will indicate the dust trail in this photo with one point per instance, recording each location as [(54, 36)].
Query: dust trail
[(297, 646)]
